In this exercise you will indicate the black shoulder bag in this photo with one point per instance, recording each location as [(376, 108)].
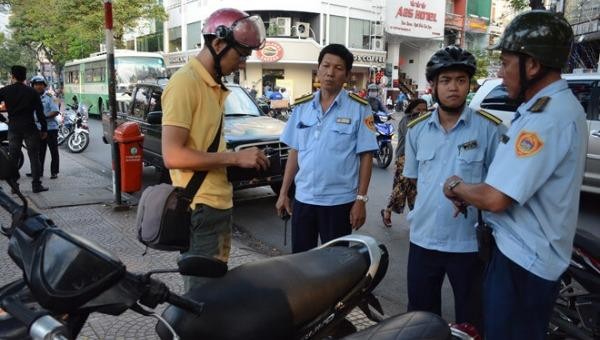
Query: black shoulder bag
[(164, 215)]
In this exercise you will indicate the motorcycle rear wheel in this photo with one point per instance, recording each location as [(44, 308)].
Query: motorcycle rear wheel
[(78, 142), (385, 155)]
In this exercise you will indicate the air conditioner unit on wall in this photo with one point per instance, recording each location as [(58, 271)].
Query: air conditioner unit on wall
[(377, 44), (284, 26), (302, 29), (377, 30)]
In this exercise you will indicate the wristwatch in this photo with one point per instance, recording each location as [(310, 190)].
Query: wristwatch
[(363, 198), (454, 184)]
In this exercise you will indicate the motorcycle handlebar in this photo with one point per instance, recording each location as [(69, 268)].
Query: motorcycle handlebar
[(187, 304)]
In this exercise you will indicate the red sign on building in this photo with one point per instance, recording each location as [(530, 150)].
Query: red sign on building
[(271, 53)]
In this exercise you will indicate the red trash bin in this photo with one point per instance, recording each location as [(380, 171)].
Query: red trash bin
[(130, 140)]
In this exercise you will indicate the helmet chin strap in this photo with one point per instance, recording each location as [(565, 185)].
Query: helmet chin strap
[(524, 83), (217, 59)]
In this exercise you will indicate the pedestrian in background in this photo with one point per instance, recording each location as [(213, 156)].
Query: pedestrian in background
[(22, 103), (532, 188), (452, 139), (51, 142), (332, 139), (193, 106), (403, 190)]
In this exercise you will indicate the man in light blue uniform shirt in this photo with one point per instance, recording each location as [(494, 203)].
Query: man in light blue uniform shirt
[(50, 111), (452, 139), (331, 136), (532, 187)]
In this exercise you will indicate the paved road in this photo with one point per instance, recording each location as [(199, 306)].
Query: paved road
[(254, 212)]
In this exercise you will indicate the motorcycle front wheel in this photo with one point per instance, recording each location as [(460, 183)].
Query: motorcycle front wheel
[(78, 142), (63, 133), (385, 155)]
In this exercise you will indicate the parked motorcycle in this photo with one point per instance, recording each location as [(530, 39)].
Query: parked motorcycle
[(4, 143), (74, 128), (301, 296), (385, 131), (576, 313)]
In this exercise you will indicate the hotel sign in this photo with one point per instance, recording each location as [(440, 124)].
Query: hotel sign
[(416, 18)]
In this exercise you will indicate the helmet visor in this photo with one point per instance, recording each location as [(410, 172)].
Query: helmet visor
[(249, 32)]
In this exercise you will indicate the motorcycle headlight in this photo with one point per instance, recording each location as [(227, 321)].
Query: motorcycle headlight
[(383, 118)]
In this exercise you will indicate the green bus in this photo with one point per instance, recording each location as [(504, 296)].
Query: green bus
[(86, 80)]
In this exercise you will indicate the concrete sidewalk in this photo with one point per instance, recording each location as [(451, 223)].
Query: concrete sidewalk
[(80, 200)]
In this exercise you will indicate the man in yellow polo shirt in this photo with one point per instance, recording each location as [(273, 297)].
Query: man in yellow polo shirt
[(193, 104)]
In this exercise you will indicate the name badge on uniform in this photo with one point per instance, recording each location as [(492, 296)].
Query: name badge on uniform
[(343, 120), (472, 144)]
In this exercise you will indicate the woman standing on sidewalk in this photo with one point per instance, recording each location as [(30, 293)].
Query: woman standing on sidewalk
[(403, 190)]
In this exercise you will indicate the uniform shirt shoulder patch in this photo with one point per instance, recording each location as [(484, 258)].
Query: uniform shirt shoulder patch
[(357, 98), (539, 105), (417, 120), (489, 116), (303, 99), (528, 144)]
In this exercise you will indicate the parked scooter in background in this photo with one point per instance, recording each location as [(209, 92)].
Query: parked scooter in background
[(74, 128), (577, 310), (385, 131)]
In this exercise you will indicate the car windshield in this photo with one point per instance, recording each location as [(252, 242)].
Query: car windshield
[(239, 103)]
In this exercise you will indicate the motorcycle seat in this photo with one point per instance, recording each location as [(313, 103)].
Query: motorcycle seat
[(269, 299), (413, 325), (588, 242)]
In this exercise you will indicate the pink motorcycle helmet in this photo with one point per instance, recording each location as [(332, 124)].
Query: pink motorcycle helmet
[(236, 27)]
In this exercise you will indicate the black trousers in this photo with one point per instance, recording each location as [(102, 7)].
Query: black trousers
[(311, 222), (52, 143), (426, 271), (32, 141)]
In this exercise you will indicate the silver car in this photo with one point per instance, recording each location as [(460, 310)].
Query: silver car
[(492, 97)]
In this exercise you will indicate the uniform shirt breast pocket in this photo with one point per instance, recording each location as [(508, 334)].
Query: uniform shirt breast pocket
[(343, 136), (470, 165), (303, 131), (425, 158)]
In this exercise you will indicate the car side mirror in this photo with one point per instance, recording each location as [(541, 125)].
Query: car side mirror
[(154, 117)]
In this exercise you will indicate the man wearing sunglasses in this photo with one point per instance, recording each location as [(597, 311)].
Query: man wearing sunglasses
[(193, 106)]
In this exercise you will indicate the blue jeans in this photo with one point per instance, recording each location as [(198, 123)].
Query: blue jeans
[(210, 235), (517, 304)]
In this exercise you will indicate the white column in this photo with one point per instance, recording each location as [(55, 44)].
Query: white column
[(183, 27)]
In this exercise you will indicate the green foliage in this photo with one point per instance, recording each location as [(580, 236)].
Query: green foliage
[(70, 29), (485, 59), (11, 54), (520, 5)]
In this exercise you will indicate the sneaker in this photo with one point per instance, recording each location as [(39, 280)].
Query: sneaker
[(54, 176), (39, 188)]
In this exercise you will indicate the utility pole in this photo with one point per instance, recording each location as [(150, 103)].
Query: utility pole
[(112, 99)]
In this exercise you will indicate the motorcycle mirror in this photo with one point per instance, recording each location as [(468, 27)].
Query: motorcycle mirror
[(198, 265)]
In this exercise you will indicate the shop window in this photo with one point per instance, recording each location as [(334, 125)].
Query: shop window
[(194, 33), (359, 34), (175, 39), (337, 30)]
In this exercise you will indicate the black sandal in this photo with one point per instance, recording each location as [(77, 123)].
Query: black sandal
[(388, 225)]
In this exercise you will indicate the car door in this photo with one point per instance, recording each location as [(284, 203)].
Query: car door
[(588, 93), (153, 126), (139, 110)]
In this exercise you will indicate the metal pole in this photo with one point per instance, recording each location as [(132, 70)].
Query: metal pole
[(112, 98)]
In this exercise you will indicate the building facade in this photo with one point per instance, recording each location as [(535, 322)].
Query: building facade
[(391, 40)]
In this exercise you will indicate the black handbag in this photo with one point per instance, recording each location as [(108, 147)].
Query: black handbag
[(163, 217)]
